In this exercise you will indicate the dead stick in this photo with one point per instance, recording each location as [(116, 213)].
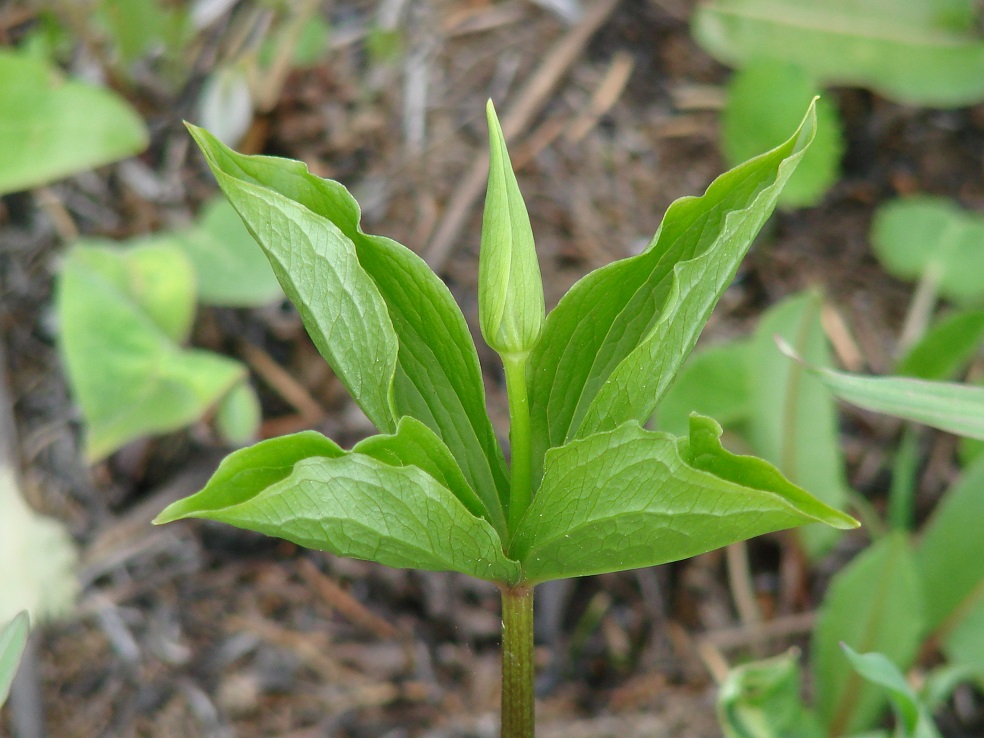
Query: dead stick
[(529, 102)]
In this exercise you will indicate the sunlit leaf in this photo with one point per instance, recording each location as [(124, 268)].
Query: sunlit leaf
[(611, 347), (629, 497)]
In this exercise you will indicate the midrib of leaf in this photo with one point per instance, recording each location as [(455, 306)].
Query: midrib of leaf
[(852, 688), (876, 29)]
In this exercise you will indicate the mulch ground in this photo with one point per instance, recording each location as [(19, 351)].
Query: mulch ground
[(202, 630)]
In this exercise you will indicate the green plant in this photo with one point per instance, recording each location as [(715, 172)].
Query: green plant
[(51, 127), (589, 489), (125, 313), (13, 639), (924, 52)]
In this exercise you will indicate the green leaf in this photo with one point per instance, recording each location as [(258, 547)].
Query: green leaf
[(765, 100), (940, 682), (385, 322), (13, 639), (510, 293), (963, 644), (873, 604), (629, 497), (955, 408), (915, 52), (946, 348), (52, 127), (763, 699), (611, 347), (951, 569), (915, 721), (793, 422), (238, 415), (924, 234), (126, 371), (414, 444), (713, 382), (231, 269), (349, 504)]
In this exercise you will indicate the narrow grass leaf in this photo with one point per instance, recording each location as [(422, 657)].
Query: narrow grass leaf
[(613, 344), (874, 604), (948, 406), (354, 505), (629, 497), (793, 422), (948, 557), (380, 316)]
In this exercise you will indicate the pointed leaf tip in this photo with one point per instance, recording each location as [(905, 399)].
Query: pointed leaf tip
[(510, 291)]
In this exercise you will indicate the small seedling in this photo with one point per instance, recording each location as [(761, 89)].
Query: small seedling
[(589, 489)]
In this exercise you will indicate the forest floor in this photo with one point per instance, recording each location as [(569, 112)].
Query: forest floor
[(197, 629)]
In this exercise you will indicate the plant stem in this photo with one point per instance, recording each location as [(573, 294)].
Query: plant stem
[(517, 663), (521, 490)]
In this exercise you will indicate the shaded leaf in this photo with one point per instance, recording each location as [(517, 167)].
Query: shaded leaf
[(238, 416), (128, 375), (915, 720), (951, 568), (231, 268), (873, 604), (915, 52), (946, 347), (923, 234), (52, 127), (613, 344), (13, 639), (765, 101), (713, 382), (793, 422), (763, 699), (629, 497), (383, 320), (351, 505)]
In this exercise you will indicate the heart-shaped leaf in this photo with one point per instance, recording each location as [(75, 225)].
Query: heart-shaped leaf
[(629, 497), (613, 344), (52, 127), (384, 321), (127, 372), (914, 52), (349, 504)]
